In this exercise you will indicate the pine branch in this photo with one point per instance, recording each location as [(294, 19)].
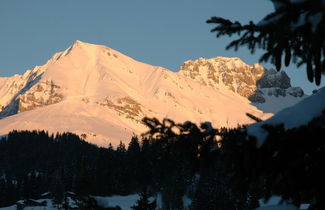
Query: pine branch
[(256, 119), (290, 32)]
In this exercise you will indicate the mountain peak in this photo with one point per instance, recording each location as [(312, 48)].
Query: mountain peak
[(79, 50), (84, 45), (81, 43)]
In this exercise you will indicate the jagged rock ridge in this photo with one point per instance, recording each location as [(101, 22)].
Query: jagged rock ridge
[(250, 81)]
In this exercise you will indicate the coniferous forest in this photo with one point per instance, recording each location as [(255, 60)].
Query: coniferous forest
[(215, 168)]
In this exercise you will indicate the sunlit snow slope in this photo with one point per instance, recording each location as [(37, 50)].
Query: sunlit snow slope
[(96, 91)]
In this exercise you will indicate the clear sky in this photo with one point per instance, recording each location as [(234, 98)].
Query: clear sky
[(158, 32)]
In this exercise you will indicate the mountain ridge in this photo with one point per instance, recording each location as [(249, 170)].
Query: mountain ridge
[(87, 85), (253, 82)]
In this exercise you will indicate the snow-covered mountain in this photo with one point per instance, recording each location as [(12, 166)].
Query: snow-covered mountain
[(101, 94)]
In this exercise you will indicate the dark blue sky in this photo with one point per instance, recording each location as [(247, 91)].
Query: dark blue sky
[(164, 33)]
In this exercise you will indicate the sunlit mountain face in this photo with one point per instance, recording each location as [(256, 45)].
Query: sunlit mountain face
[(102, 95)]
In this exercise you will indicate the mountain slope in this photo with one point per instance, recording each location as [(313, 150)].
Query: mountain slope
[(299, 114), (99, 93)]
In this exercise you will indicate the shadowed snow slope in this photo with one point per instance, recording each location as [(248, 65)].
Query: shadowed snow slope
[(98, 92), (300, 114)]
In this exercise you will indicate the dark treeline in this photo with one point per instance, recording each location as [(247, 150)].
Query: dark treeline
[(32, 163), (216, 169)]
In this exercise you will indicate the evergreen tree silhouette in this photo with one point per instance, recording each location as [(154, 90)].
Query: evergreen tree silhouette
[(143, 203), (295, 31)]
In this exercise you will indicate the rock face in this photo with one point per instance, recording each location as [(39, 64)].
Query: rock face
[(277, 84), (250, 81), (222, 72), (272, 78), (42, 94), (27, 92), (125, 106)]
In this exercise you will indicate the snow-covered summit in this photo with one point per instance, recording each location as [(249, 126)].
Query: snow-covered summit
[(102, 94)]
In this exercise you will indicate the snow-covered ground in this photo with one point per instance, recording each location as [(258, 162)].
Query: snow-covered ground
[(295, 116), (283, 207), (49, 206), (276, 104), (125, 202), (278, 207), (274, 203)]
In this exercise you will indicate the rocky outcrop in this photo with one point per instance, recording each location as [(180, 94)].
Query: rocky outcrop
[(220, 71), (276, 84), (257, 97), (126, 106), (12, 88), (273, 79), (33, 95), (43, 94), (295, 91), (250, 81)]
